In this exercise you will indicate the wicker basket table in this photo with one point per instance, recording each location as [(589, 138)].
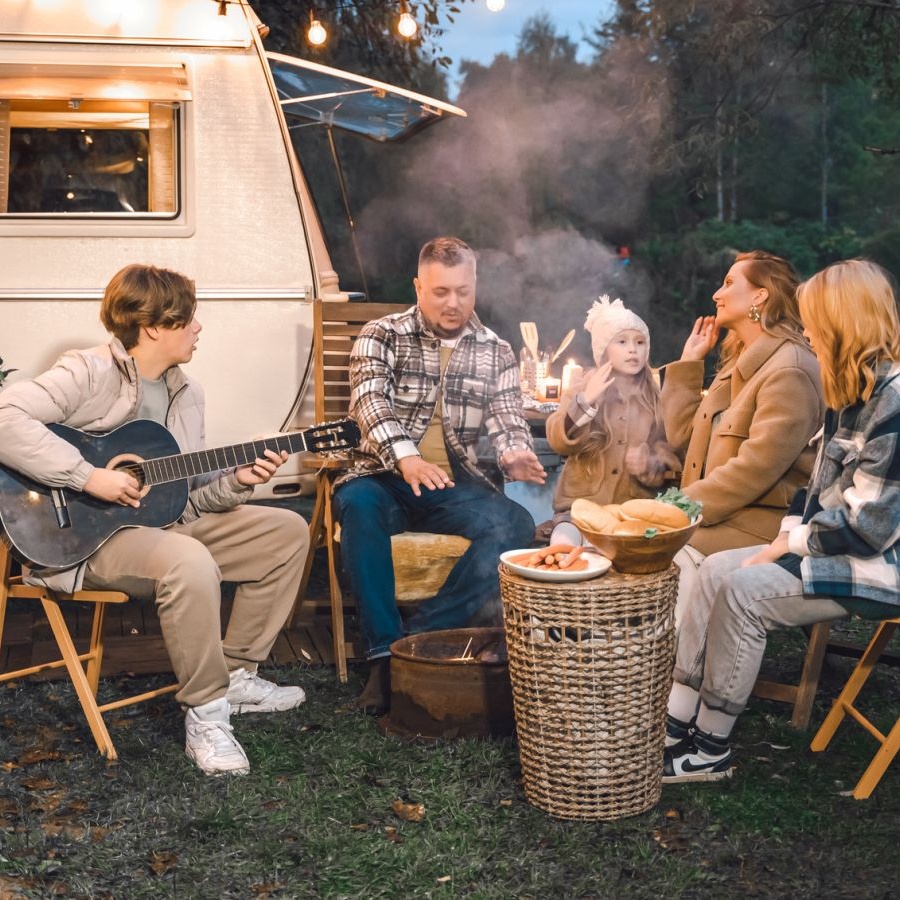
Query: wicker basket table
[(591, 667)]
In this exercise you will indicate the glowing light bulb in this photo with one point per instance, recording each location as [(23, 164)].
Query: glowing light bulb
[(317, 35), (495, 5), (407, 26)]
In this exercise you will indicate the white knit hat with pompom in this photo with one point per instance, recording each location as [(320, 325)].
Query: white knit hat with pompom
[(606, 319)]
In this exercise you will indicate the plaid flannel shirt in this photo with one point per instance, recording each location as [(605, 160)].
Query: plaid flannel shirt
[(850, 529), (395, 379)]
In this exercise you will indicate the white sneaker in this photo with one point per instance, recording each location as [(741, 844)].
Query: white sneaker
[(249, 693), (209, 740)]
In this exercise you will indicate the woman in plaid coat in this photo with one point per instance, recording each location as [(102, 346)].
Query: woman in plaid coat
[(837, 550)]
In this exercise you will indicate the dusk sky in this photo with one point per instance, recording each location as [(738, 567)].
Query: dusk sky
[(479, 34)]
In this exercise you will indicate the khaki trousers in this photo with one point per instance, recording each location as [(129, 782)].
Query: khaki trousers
[(261, 548)]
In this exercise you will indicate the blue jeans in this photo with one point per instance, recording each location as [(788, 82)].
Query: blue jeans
[(372, 508)]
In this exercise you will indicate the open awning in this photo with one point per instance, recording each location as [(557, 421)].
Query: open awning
[(327, 96)]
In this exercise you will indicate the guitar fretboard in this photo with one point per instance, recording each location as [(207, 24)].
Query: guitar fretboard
[(163, 469)]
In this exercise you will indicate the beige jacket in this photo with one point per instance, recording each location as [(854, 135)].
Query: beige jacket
[(98, 390), (747, 440), (603, 477)]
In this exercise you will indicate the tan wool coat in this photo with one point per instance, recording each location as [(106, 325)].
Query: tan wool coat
[(602, 477), (746, 442)]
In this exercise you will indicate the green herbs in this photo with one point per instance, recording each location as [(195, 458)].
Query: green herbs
[(678, 498), (4, 372)]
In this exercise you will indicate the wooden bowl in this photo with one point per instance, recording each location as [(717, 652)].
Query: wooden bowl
[(638, 554)]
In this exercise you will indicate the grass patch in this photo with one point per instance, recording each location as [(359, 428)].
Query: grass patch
[(316, 818)]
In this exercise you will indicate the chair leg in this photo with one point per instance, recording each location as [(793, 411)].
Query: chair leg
[(5, 566), (316, 528), (809, 678), (337, 597), (79, 678), (879, 764), (95, 648), (853, 686)]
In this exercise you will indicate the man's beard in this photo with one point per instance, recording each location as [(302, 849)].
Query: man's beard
[(447, 334)]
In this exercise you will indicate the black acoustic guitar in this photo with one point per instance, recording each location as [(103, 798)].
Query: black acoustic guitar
[(57, 528)]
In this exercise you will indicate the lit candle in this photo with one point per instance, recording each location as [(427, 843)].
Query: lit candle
[(551, 389), (570, 374)]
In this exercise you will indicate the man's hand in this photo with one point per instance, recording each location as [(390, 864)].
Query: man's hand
[(701, 340), (522, 465), (769, 554), (418, 473), (114, 486), (596, 383), (262, 470)]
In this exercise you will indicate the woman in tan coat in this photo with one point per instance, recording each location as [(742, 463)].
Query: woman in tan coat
[(747, 439)]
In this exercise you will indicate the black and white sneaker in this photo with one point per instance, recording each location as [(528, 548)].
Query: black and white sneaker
[(699, 757), (677, 731)]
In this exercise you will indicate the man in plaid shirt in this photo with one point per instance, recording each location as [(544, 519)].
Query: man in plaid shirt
[(426, 384)]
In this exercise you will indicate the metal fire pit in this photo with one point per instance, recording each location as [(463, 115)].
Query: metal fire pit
[(450, 684)]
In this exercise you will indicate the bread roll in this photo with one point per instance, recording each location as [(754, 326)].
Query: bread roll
[(633, 527), (656, 513), (590, 516)]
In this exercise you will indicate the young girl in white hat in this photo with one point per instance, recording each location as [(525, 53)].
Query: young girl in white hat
[(608, 425)]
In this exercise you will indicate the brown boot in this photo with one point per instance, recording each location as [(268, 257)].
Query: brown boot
[(375, 699)]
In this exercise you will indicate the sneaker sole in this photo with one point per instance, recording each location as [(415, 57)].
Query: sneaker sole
[(696, 776), (253, 708), (217, 773)]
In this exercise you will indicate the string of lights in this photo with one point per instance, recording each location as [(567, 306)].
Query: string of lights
[(407, 26), (317, 33)]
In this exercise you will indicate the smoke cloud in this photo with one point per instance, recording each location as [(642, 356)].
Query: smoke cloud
[(548, 173)]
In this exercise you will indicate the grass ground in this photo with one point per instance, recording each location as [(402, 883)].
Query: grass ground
[(329, 810)]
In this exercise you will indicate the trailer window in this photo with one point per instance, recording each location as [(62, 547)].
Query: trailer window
[(89, 158)]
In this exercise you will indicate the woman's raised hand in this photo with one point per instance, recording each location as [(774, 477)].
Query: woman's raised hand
[(597, 382), (701, 340)]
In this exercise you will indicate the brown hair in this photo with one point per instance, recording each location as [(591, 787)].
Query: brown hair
[(780, 314), (447, 251), (140, 296), (851, 311), (598, 441)]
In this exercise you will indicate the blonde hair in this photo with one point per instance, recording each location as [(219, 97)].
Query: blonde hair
[(780, 315), (140, 296), (599, 441), (851, 311)]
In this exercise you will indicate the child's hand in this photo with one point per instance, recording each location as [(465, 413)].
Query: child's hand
[(596, 384), (637, 460), (701, 340)]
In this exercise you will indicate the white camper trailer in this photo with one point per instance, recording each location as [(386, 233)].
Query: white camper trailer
[(155, 132)]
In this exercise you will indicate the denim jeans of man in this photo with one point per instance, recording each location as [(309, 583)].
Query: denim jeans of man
[(374, 507)]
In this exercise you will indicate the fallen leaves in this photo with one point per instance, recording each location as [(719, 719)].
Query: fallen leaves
[(409, 812), (162, 861)]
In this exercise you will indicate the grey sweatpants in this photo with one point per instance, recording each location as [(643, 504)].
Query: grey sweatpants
[(261, 548), (725, 621)]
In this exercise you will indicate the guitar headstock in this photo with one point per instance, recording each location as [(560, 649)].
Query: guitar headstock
[(332, 436)]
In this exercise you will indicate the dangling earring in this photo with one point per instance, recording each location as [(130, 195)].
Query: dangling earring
[(754, 315)]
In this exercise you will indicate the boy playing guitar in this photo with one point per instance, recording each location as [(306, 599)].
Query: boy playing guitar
[(151, 315)]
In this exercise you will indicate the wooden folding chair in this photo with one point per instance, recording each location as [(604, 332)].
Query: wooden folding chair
[(843, 706), (803, 694), (336, 325), (83, 668)]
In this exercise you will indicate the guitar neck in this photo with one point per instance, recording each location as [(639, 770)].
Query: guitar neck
[(165, 469)]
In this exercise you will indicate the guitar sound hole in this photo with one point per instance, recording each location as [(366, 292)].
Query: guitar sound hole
[(132, 464), (133, 469)]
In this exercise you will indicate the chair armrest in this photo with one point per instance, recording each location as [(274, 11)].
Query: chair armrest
[(333, 462)]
